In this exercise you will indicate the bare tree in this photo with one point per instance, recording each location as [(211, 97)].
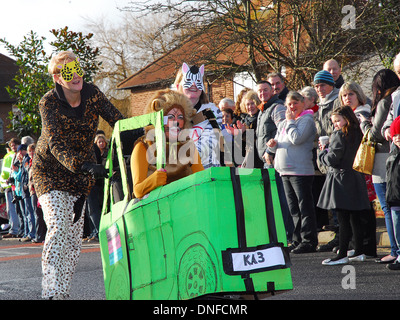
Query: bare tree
[(270, 34), (128, 46)]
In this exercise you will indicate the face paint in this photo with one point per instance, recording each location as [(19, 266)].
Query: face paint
[(193, 75), (68, 70)]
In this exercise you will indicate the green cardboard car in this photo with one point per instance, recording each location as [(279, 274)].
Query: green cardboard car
[(218, 232)]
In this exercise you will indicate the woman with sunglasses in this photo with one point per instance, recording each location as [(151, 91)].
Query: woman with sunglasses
[(64, 167)]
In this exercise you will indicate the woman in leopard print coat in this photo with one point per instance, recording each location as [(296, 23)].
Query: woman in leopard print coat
[(64, 168)]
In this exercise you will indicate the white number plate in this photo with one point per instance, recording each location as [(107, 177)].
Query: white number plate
[(258, 259)]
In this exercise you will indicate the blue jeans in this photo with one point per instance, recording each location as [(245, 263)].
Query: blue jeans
[(298, 190), (30, 228), (380, 189), (396, 228), (287, 219), (12, 213)]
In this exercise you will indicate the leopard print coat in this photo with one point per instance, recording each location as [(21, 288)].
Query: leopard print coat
[(67, 139)]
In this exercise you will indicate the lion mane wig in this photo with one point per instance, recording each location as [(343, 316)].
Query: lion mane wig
[(168, 99)]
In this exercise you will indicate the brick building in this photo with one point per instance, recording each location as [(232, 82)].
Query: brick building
[(8, 70)]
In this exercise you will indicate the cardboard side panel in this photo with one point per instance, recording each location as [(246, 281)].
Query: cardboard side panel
[(176, 237)]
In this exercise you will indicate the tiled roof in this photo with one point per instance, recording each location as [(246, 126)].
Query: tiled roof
[(197, 50)]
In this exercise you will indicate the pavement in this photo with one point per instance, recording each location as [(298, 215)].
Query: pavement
[(15, 242), (382, 239)]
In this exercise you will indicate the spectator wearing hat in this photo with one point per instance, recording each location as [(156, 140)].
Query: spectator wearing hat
[(393, 187), (324, 85), (22, 147), (26, 205), (328, 94)]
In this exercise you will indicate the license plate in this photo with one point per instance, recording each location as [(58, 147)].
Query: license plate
[(256, 259)]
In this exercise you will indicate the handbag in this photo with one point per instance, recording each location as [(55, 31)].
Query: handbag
[(364, 159)]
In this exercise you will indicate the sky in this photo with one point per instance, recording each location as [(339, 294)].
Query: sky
[(19, 17)]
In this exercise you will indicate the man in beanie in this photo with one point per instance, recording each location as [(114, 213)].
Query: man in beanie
[(393, 186), (328, 95)]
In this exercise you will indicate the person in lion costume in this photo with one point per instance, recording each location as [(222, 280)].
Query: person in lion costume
[(181, 155)]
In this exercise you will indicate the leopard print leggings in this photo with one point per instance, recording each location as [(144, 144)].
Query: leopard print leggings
[(64, 217)]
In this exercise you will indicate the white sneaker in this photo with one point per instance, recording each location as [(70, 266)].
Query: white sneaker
[(330, 262), (359, 258)]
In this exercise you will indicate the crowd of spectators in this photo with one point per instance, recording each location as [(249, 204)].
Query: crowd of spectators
[(310, 136), (25, 216)]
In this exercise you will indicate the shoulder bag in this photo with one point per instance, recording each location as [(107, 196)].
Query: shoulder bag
[(364, 159)]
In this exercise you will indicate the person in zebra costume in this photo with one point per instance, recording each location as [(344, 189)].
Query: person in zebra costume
[(207, 131)]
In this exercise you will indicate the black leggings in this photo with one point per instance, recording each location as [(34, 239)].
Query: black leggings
[(350, 224)]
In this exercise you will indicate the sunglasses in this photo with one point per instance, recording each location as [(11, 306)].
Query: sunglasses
[(68, 70)]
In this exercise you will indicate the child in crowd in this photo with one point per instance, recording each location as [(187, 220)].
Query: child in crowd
[(227, 117), (344, 190), (393, 187)]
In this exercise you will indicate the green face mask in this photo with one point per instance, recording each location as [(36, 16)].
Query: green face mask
[(68, 70)]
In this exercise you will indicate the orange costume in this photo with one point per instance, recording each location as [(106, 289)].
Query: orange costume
[(182, 157)]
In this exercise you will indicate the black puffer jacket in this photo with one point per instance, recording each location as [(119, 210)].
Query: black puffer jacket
[(393, 179)]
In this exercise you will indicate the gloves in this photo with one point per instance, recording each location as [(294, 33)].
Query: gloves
[(78, 206), (156, 179), (96, 170)]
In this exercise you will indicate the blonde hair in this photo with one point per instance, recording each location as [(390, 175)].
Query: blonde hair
[(177, 84), (249, 95), (32, 146), (168, 99), (60, 58), (239, 98), (355, 87), (100, 136)]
